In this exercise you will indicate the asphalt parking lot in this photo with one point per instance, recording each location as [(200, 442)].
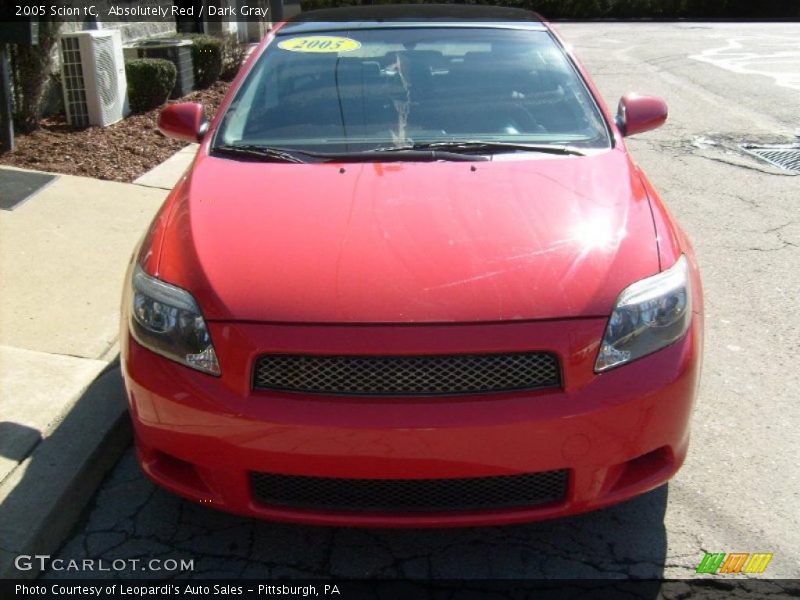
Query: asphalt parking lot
[(726, 84)]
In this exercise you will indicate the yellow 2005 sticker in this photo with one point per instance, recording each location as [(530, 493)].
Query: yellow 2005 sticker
[(320, 43)]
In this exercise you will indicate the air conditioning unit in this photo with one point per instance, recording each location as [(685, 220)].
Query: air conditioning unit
[(178, 52), (93, 78)]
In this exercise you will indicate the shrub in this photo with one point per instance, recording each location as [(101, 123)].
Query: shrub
[(233, 54), (150, 82), (207, 58)]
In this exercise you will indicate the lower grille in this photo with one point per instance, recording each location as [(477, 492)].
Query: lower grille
[(410, 495), (407, 375)]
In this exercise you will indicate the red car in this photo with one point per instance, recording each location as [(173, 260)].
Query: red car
[(412, 278)]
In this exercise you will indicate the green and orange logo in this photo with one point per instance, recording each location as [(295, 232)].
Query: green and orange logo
[(736, 562)]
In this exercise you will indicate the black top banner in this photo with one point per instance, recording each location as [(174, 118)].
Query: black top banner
[(272, 10), (165, 11)]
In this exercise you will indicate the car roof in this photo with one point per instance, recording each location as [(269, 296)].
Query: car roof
[(412, 15)]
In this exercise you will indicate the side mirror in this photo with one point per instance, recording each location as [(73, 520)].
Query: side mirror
[(184, 121), (637, 114)]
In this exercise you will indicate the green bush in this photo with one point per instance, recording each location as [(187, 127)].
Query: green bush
[(207, 58), (150, 82), (233, 54)]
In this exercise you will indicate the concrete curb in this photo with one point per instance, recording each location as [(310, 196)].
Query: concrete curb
[(44, 497), (165, 175)]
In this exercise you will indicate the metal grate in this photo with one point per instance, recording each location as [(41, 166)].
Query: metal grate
[(407, 375), (74, 86), (784, 157), (410, 495), (17, 186)]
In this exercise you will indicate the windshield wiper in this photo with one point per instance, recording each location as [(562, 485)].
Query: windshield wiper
[(264, 153), (406, 153), (420, 151), (487, 147)]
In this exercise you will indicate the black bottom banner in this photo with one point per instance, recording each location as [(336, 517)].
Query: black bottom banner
[(400, 589)]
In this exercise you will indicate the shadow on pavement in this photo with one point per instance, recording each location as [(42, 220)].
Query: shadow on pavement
[(47, 494), (17, 440)]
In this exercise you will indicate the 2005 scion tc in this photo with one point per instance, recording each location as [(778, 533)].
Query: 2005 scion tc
[(412, 278)]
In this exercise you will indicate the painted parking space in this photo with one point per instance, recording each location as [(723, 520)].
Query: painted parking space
[(773, 56)]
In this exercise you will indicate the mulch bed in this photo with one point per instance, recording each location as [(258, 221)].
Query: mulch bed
[(120, 152)]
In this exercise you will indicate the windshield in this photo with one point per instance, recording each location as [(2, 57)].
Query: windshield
[(367, 89)]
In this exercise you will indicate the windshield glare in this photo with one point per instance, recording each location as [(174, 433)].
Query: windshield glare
[(363, 89)]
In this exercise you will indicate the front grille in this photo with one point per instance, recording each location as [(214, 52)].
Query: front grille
[(407, 375), (410, 495)]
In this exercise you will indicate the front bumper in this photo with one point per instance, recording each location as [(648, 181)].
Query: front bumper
[(618, 434)]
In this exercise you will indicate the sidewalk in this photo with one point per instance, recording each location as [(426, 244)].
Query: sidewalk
[(63, 255)]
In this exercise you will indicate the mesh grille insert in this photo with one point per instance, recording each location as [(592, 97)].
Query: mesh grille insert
[(410, 495), (407, 375)]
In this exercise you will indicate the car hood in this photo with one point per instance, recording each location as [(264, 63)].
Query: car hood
[(401, 242)]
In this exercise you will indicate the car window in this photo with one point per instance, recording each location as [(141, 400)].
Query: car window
[(340, 91)]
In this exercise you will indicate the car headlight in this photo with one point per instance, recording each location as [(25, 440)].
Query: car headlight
[(167, 320), (649, 315)]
